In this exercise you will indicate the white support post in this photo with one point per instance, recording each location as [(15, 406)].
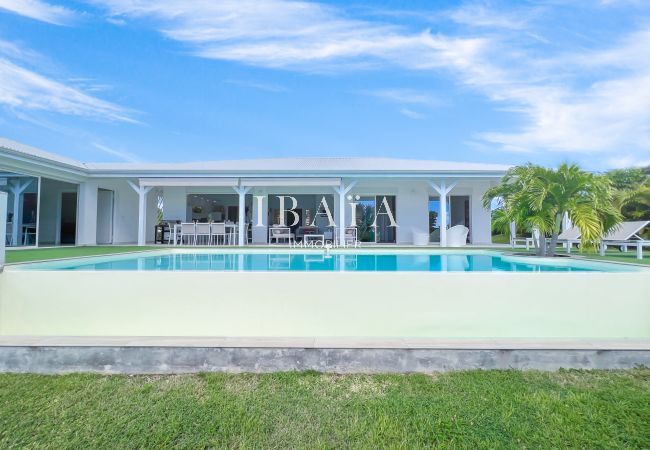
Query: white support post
[(443, 214), (38, 212), (242, 191), (17, 188), (443, 190), (343, 190), (3, 227), (142, 192)]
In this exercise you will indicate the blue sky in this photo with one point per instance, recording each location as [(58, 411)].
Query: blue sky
[(175, 80)]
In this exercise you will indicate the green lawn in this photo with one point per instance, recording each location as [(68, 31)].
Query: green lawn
[(479, 409), (611, 255), (37, 254)]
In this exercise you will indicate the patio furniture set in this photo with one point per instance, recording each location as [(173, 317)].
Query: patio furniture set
[(282, 234), (626, 234), (227, 233)]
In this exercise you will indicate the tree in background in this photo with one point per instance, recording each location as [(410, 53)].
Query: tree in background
[(632, 192), (538, 198)]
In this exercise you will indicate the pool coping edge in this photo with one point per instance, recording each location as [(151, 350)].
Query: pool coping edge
[(328, 342)]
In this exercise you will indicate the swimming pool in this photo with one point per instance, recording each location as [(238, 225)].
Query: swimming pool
[(317, 261)]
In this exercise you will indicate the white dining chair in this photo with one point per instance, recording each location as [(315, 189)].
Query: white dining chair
[(230, 232), (172, 237), (218, 230), (202, 234), (350, 235), (188, 231)]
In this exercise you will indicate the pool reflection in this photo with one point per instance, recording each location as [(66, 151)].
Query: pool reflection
[(319, 262)]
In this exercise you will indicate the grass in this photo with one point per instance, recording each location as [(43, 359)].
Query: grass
[(611, 255), (38, 254), (500, 239), (481, 409)]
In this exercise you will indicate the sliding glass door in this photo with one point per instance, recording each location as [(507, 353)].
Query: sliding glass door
[(374, 219), (458, 213), (366, 219), (385, 205)]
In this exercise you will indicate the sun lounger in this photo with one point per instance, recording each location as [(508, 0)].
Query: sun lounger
[(569, 237), (626, 234)]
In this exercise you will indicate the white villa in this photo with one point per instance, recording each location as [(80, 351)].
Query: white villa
[(54, 200)]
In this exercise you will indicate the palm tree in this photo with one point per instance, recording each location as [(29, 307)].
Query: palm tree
[(539, 198), (632, 193)]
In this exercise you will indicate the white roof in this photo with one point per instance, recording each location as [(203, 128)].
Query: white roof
[(298, 165), (302, 164)]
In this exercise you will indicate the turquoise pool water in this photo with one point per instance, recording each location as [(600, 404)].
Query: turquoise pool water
[(300, 262)]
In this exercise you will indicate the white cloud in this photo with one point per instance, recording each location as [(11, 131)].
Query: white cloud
[(411, 114), (404, 96), (39, 10), (624, 161), (480, 15), (408, 98), (259, 85), (291, 34), (123, 155), (22, 89), (116, 21), (610, 114), (584, 101)]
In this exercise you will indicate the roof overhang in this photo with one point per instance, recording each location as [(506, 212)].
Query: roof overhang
[(15, 158), (19, 158), (289, 182), (189, 182)]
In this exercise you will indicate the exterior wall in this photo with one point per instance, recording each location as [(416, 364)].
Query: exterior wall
[(87, 213), (481, 218), (412, 214), (125, 215), (175, 203)]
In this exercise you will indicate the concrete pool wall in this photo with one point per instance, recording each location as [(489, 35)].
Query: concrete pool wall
[(591, 305)]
